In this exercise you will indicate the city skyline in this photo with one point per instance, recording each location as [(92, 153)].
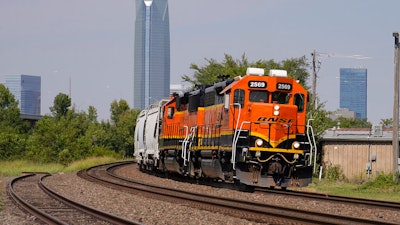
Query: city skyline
[(91, 44)]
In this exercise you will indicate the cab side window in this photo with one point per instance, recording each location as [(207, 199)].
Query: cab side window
[(238, 97), (299, 101), (171, 112)]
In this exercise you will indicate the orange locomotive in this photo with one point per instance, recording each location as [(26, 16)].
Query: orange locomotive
[(250, 129)]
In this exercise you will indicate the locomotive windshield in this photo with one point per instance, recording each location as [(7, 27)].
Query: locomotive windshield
[(281, 97), (258, 96)]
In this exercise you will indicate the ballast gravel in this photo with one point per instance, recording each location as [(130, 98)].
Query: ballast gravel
[(151, 211)]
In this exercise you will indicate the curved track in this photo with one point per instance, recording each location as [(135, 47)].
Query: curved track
[(29, 192), (257, 212)]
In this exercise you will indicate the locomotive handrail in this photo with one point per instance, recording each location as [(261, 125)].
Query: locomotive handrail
[(185, 149), (183, 154), (235, 140), (313, 145), (192, 135), (234, 136)]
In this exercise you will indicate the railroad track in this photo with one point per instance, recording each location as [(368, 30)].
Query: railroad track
[(30, 194), (335, 198), (257, 212)]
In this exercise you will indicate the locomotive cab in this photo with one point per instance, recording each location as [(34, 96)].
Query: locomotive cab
[(270, 147)]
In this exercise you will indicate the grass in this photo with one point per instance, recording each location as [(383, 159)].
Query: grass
[(16, 168), (381, 188)]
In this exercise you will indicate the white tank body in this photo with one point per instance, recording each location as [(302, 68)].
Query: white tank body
[(146, 134)]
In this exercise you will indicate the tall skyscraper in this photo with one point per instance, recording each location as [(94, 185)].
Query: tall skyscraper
[(353, 90), (26, 89), (151, 79)]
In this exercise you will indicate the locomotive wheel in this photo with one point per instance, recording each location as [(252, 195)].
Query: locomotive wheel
[(246, 188), (142, 167)]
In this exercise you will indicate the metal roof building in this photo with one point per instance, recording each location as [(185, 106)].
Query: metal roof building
[(360, 152)]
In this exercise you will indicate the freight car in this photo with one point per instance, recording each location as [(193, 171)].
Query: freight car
[(250, 130)]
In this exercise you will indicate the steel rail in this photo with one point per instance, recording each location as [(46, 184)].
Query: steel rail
[(337, 198), (239, 206), (50, 219), (111, 218), (41, 215)]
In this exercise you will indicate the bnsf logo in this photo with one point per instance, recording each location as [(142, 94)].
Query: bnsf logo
[(276, 120)]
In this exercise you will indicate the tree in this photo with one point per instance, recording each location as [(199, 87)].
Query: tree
[(92, 111), (9, 111), (126, 127), (297, 69), (351, 123), (117, 109), (12, 129), (63, 139), (61, 105), (208, 74), (387, 123), (121, 132), (320, 120)]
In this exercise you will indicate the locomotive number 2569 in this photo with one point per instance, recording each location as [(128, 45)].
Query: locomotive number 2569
[(257, 84), (284, 86)]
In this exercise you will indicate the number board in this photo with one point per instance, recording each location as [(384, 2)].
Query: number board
[(284, 86), (257, 84)]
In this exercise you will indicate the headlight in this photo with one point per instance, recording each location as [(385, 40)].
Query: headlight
[(276, 110), (259, 142), (296, 145), (295, 156)]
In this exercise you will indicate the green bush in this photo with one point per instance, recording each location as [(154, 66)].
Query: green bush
[(334, 173), (65, 157), (383, 183)]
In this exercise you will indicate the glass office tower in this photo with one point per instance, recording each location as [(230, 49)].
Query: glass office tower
[(353, 90), (151, 79), (26, 89)]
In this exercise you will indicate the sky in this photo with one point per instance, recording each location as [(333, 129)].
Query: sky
[(85, 47)]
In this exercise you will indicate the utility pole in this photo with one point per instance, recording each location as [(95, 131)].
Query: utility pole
[(396, 107), (314, 81), (70, 88)]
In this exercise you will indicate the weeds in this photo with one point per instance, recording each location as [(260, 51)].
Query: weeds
[(382, 183), (334, 173), (15, 168)]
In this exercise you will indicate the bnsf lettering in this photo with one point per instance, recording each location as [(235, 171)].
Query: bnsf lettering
[(275, 120)]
